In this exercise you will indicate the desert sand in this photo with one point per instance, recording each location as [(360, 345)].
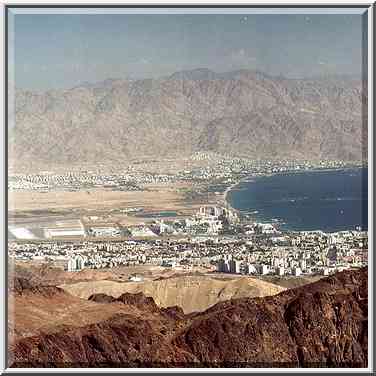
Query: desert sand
[(191, 293)]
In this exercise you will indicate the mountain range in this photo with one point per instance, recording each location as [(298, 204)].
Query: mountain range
[(241, 113)]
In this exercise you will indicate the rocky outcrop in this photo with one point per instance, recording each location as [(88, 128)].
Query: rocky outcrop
[(139, 300), (324, 324), (101, 298), (23, 286), (19, 284)]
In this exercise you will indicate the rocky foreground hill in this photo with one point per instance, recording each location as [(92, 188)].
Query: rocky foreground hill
[(243, 113), (324, 324)]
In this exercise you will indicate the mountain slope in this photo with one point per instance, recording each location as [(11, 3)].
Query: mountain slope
[(191, 293), (324, 324), (242, 113)]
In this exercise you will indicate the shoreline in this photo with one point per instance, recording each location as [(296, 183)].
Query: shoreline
[(293, 172), (161, 198), (226, 192)]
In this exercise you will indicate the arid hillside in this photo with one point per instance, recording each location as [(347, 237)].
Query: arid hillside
[(324, 324), (191, 293), (243, 113)]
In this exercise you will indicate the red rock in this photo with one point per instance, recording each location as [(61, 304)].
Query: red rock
[(324, 324)]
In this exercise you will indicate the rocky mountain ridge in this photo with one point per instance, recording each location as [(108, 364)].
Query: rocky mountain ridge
[(324, 324), (242, 113)]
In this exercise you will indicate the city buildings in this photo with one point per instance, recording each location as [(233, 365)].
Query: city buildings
[(303, 253), (75, 263)]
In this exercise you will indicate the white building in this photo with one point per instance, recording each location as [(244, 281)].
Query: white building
[(235, 266), (21, 233), (303, 264), (296, 272), (252, 269), (136, 278), (280, 271), (141, 231), (104, 231), (75, 263), (264, 269), (65, 229), (265, 228)]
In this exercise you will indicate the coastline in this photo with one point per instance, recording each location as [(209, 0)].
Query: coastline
[(226, 192), (224, 196)]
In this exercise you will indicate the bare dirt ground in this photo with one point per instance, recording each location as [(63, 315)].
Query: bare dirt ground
[(32, 206), (191, 293), (53, 273), (155, 198)]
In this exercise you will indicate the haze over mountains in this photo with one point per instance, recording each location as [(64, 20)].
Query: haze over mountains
[(241, 113)]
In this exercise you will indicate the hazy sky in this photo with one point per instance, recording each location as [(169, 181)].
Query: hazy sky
[(54, 51)]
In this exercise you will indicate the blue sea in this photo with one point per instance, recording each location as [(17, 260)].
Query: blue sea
[(317, 200)]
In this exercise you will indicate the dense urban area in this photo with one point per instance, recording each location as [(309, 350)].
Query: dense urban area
[(216, 237)]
